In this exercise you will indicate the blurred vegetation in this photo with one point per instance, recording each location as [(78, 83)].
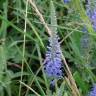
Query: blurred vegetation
[(23, 43)]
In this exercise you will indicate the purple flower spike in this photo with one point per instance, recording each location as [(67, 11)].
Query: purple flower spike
[(93, 91), (92, 16), (91, 12), (93, 19), (53, 63)]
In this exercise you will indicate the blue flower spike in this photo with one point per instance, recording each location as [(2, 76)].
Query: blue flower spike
[(93, 91), (91, 12), (53, 61)]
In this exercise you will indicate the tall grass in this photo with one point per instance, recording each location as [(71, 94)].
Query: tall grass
[(24, 30)]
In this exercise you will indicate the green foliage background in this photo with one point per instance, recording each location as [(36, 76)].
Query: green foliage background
[(71, 19)]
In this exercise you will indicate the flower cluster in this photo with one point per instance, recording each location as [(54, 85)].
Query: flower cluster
[(91, 12), (93, 91), (53, 63)]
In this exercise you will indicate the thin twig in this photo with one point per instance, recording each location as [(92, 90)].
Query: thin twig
[(70, 77), (30, 88), (70, 85), (22, 68), (40, 16)]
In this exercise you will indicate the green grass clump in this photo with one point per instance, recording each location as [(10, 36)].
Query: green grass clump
[(25, 26)]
